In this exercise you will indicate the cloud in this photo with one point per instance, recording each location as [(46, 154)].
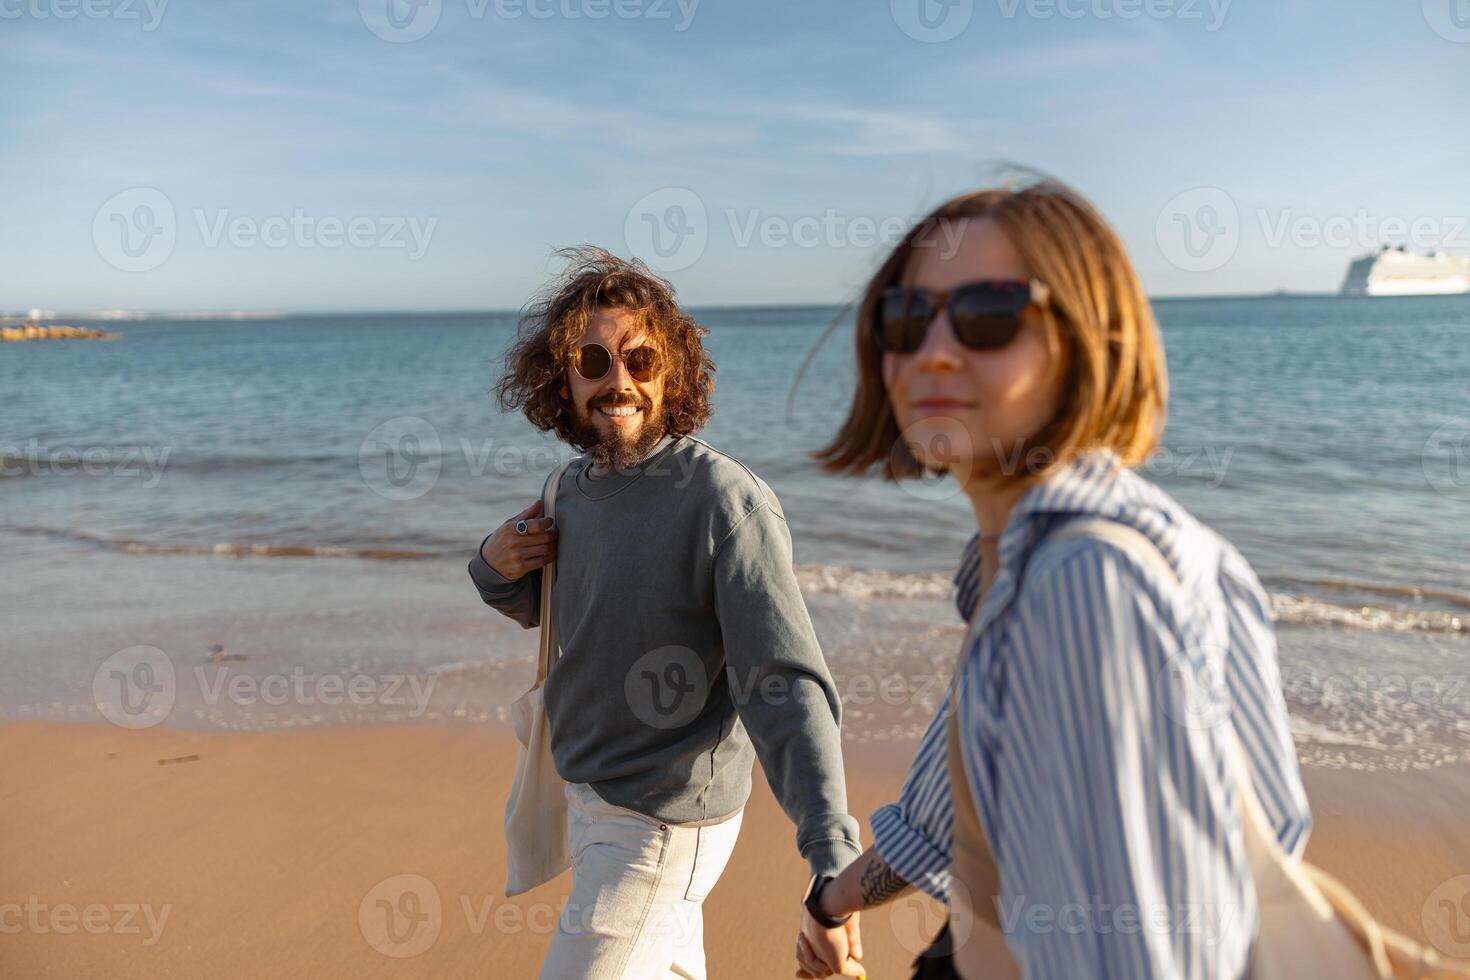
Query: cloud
[(862, 132), (1062, 59)]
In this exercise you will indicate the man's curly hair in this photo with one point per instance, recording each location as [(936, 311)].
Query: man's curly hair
[(555, 321)]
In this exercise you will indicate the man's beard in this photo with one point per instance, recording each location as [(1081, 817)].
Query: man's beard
[(613, 450)]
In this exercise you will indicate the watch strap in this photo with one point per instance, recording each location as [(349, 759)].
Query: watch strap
[(813, 904)]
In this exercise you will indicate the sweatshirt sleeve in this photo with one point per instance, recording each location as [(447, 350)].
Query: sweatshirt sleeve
[(520, 600), (785, 695)]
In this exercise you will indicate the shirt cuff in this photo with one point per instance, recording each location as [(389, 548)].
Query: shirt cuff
[(910, 853), (830, 855), (485, 577)]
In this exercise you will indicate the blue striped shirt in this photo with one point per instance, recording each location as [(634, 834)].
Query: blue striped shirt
[(1094, 700)]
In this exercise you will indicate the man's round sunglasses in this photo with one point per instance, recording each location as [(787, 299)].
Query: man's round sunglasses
[(984, 315), (593, 361)]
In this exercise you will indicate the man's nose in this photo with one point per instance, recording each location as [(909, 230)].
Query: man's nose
[(618, 378)]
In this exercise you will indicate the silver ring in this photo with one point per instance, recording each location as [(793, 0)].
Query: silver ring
[(521, 527)]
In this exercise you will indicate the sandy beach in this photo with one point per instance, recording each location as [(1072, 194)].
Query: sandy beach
[(905, 284), (166, 853)]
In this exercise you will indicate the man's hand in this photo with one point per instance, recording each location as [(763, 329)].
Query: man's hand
[(513, 554), (822, 952)]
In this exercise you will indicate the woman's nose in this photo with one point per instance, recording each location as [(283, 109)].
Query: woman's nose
[(940, 350)]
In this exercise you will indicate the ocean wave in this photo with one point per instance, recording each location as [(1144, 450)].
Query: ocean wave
[(160, 458), (228, 549), (861, 583), (233, 549), (1319, 734), (1315, 612), (840, 581), (14, 467), (229, 463), (853, 583), (1415, 592)]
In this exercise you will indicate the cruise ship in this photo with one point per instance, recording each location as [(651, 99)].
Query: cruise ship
[(1399, 272)]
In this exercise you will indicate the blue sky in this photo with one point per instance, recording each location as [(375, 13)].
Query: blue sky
[(310, 164)]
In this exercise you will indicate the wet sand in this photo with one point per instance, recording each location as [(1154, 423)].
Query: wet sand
[(168, 853)]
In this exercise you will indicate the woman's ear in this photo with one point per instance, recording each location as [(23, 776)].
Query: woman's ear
[(1060, 344)]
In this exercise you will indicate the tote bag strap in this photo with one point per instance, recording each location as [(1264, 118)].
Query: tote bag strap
[(549, 651), (974, 861), (1273, 872), (1267, 859)]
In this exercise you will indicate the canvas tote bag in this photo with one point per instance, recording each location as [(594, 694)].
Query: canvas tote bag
[(536, 813), (1310, 924)]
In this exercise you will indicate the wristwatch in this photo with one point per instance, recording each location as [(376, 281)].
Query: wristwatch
[(810, 901)]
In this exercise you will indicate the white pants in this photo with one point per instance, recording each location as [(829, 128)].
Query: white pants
[(638, 887)]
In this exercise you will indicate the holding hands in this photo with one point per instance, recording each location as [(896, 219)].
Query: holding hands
[(824, 950)]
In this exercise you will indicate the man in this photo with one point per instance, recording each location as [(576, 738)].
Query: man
[(686, 649)]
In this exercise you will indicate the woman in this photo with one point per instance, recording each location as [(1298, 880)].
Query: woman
[(1104, 680)]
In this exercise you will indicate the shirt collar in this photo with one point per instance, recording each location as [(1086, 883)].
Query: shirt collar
[(658, 447), (1095, 484), (616, 481)]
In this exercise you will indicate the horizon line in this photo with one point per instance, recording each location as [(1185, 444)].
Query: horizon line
[(123, 315)]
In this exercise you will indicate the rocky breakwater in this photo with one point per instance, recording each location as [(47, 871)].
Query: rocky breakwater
[(32, 331)]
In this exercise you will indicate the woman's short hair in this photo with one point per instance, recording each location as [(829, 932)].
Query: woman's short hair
[(555, 321), (1117, 388)]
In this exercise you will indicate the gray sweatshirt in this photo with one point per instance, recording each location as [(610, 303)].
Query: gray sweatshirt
[(686, 648)]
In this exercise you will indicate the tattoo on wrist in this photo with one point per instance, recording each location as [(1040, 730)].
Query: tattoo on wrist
[(880, 882)]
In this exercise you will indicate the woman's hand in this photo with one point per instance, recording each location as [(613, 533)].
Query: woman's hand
[(819, 949), (513, 554), (863, 884)]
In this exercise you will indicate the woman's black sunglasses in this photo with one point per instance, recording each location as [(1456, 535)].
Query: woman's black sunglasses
[(984, 315)]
